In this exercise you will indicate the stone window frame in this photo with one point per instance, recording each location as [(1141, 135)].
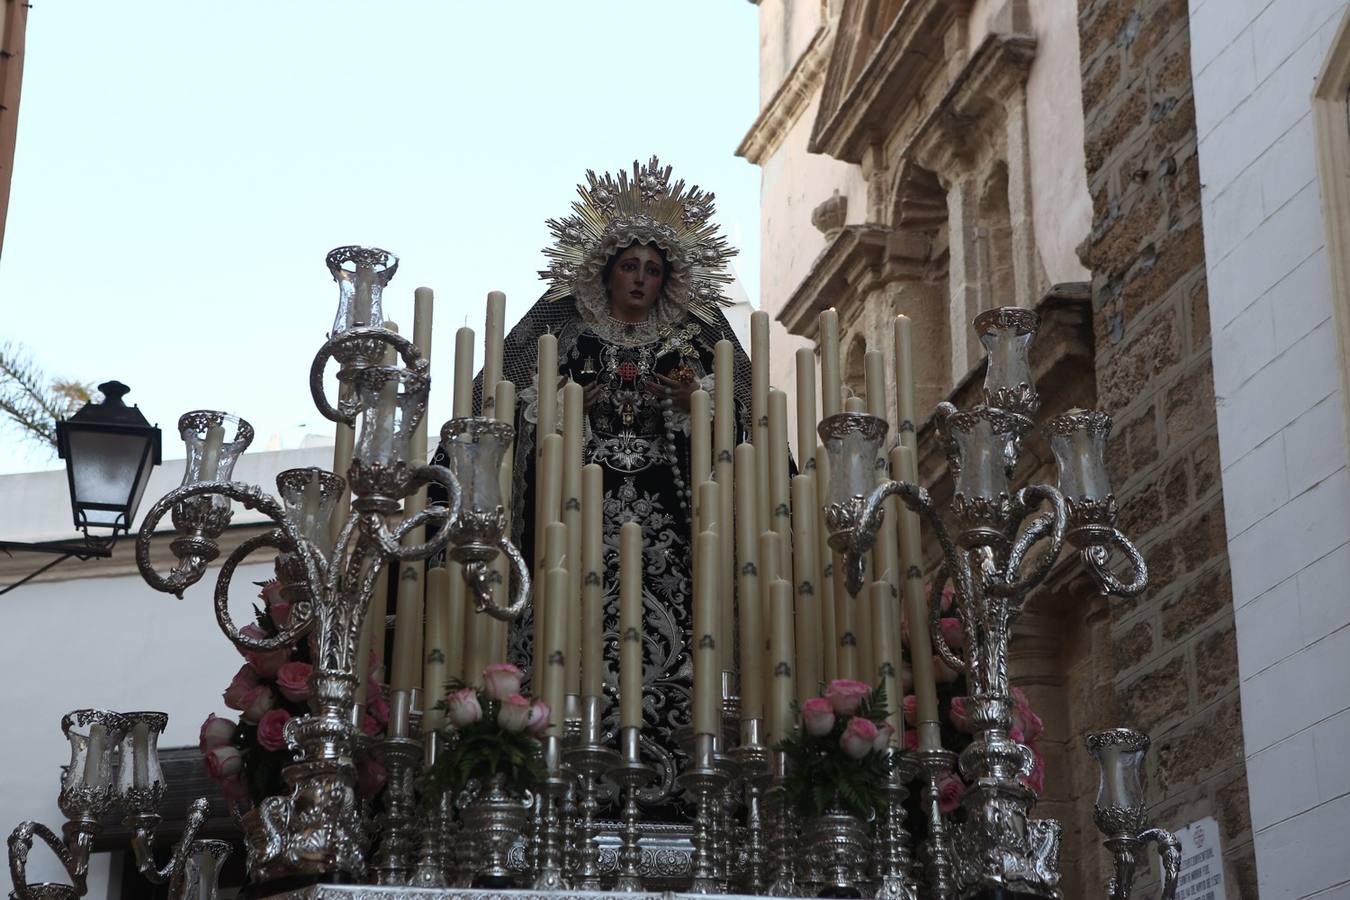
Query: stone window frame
[(1331, 133)]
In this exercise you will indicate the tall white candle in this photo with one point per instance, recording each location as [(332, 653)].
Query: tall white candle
[(782, 655), (462, 404), (571, 517), (555, 660), (215, 438), (505, 410), (750, 605), (547, 377), (805, 572), (437, 645), (724, 440), (806, 410), (548, 502), (916, 608), (93, 762), (707, 667), (829, 657), (630, 625), (700, 449), (780, 489), (831, 388), (887, 660), (593, 581), (759, 410), (492, 349)]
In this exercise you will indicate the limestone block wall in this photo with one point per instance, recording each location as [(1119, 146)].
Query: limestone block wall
[(1281, 426), (1175, 659)]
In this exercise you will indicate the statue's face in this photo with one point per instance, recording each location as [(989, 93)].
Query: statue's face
[(635, 282)]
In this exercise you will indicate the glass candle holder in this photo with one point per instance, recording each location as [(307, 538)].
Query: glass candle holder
[(979, 440), (1078, 441), (214, 441), (1120, 793), (852, 442), (87, 781), (391, 401), (476, 446), (1006, 333), (310, 496), (140, 780), (361, 274)]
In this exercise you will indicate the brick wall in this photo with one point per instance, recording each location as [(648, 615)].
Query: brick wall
[(1174, 650)]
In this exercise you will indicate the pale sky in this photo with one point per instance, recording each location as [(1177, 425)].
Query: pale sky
[(183, 167)]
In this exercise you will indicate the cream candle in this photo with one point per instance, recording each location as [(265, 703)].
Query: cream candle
[(344, 443), (782, 653), (309, 509), (93, 761), (437, 645), (829, 637), (771, 569), (707, 667), (505, 411), (215, 439), (630, 625), (780, 488), (916, 608), (363, 296), (700, 450), (555, 661), (805, 575), (546, 377), (884, 651), (831, 388), (750, 606), (548, 503), (462, 402), (724, 470), (493, 338), (140, 754), (759, 410), (571, 517), (806, 410), (593, 583)]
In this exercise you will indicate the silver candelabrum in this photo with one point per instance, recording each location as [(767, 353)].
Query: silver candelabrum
[(90, 788), (318, 828), (991, 564), (1119, 811)]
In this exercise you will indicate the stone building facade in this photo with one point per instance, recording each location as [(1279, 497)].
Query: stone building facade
[(941, 158)]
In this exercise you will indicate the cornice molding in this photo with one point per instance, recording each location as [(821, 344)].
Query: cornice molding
[(974, 106), (858, 255), (890, 80), (788, 103)]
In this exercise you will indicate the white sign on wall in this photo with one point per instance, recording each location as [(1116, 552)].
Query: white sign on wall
[(1201, 875)]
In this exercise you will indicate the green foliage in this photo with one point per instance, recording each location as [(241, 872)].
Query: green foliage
[(821, 771), (482, 750), (31, 400)]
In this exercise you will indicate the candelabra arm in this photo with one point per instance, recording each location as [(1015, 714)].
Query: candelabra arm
[(143, 842), (389, 540), (301, 620), (190, 569), (1097, 556), (1169, 850), (1044, 526), (356, 337), (944, 651), (21, 842), (481, 577)]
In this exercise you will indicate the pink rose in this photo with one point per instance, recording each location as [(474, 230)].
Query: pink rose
[(463, 707), (501, 680), (950, 791), (942, 673), (951, 633), (911, 739), (514, 714), (293, 681), (906, 678), (1024, 717), (257, 703), (272, 729), (884, 734), (216, 732), (846, 695), (858, 738), (817, 716), (1016, 734), (377, 706), (245, 681), (1036, 780), (223, 762), (279, 613), (909, 706), (537, 724), (271, 591), (370, 726), (948, 597), (370, 778), (268, 662), (959, 713)]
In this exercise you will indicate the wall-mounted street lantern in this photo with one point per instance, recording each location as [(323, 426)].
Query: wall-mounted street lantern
[(109, 449)]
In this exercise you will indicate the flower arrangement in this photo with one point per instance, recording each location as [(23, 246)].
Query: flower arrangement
[(246, 758), (492, 732), (839, 753)]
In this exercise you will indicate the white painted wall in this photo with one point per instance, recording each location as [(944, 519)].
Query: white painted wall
[(108, 642), (1281, 435)]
